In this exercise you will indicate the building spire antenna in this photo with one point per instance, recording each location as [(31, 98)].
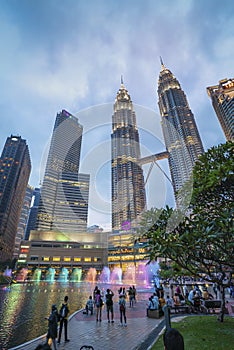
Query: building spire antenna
[(121, 79), (162, 64)]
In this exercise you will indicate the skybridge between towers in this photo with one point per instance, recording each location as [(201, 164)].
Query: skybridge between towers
[(153, 160)]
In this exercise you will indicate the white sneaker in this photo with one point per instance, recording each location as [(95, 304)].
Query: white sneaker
[(121, 324), (125, 325)]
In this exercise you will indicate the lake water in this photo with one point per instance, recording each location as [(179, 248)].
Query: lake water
[(24, 306)]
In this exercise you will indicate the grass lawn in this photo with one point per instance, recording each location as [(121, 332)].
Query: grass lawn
[(203, 333)]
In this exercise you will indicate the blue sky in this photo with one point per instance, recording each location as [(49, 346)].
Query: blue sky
[(70, 55)]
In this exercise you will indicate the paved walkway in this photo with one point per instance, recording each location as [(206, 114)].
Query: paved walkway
[(140, 333)]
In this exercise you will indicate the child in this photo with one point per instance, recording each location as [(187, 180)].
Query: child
[(89, 305)]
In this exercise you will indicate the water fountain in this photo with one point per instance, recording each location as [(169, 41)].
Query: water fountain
[(91, 275), (130, 274), (36, 275), (7, 272), (116, 275), (50, 273), (22, 275), (105, 275), (76, 275), (63, 275)]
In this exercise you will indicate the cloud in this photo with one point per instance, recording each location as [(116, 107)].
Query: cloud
[(70, 54)]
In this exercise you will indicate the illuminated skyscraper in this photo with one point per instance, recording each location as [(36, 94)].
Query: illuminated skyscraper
[(181, 136), (222, 97), (128, 190), (15, 167), (64, 194), (23, 220)]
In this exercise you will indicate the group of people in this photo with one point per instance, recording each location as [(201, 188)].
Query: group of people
[(99, 299), (57, 315), (195, 297)]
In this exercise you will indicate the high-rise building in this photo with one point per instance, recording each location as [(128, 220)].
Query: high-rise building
[(32, 217), (64, 193), (222, 97), (15, 167), (128, 190), (23, 220), (182, 139)]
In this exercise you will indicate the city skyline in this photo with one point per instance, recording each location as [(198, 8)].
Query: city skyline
[(47, 67)]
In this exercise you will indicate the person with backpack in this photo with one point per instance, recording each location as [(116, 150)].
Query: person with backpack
[(122, 310), (52, 326), (109, 305), (63, 314), (99, 305)]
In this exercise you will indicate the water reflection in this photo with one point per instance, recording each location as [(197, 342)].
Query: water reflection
[(24, 306)]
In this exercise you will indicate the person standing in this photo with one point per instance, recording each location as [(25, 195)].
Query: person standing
[(98, 304), (109, 305), (122, 310), (134, 293), (52, 326), (131, 297), (64, 311)]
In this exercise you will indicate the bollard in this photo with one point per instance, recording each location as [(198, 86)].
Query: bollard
[(166, 311)]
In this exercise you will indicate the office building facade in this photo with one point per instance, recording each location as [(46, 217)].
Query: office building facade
[(181, 136), (222, 97), (15, 167), (64, 194), (128, 190), (23, 220)]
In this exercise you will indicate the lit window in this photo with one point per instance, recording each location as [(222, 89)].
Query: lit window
[(87, 259), (67, 259), (56, 258), (45, 258), (77, 259)]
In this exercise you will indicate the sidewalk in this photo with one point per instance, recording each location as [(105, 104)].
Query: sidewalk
[(84, 330)]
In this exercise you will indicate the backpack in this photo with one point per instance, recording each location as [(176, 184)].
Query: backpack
[(109, 300), (63, 311), (98, 301)]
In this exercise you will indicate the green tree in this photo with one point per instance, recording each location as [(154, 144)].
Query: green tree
[(202, 241)]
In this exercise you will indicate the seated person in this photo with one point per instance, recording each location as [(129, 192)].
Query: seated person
[(162, 301), (169, 301), (150, 304), (197, 301), (206, 295), (176, 300), (89, 305), (155, 301)]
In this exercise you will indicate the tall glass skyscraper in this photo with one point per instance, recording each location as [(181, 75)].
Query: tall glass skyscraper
[(15, 168), (181, 136), (23, 220), (222, 97), (64, 194), (128, 190)]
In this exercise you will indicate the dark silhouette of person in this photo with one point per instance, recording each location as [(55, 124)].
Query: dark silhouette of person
[(52, 325), (64, 319), (173, 340)]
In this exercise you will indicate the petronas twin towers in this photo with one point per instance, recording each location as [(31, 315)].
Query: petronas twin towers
[(182, 141), (64, 194)]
